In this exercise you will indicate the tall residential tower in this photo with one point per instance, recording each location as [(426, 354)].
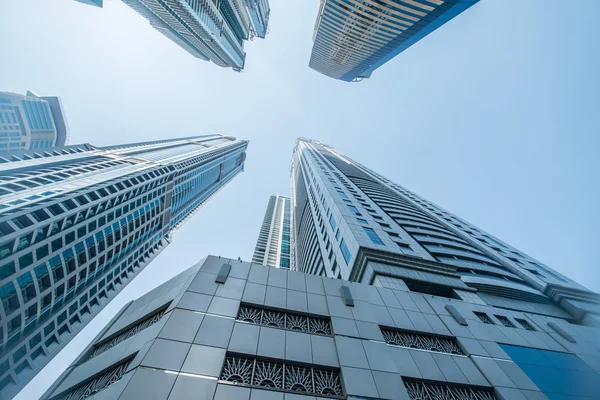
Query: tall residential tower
[(77, 223), (273, 245), (354, 38), (31, 122), (212, 30)]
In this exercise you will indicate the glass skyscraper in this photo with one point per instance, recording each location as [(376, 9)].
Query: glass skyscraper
[(259, 13), (273, 244), (31, 122), (208, 29), (77, 223), (354, 38)]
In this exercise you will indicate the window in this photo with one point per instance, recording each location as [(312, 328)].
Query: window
[(353, 210), (484, 318), (345, 252), (362, 221), (373, 236), (525, 324), (332, 222), (504, 321)]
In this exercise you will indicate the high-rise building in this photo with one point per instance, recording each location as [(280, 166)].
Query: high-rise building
[(354, 224), (77, 223), (227, 329), (273, 244), (208, 29), (354, 38), (259, 13), (31, 122)]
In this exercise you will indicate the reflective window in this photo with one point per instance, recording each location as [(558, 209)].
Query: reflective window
[(373, 236), (345, 251), (559, 375)]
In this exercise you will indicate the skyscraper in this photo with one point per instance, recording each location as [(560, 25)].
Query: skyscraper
[(273, 245), (77, 223), (259, 13), (210, 30), (352, 39), (368, 229), (31, 122)]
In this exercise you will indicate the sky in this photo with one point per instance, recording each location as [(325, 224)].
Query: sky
[(493, 117)]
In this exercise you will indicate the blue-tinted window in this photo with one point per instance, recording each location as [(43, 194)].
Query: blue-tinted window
[(372, 235), (342, 194), (362, 221), (332, 222), (559, 375), (345, 252), (353, 210)]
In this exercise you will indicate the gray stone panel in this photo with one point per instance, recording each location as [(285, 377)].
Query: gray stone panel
[(166, 354), (276, 297), (254, 293), (296, 301), (389, 386), (370, 331), (231, 392), (337, 308), (298, 347), (471, 372), (296, 282), (405, 364), (449, 368), (271, 342), (317, 304), (215, 331), (351, 353), (231, 289), (204, 360), (277, 277), (193, 388), (314, 284), (195, 301), (344, 326), (244, 338), (223, 306), (261, 394), (379, 357), (493, 372), (427, 365), (359, 382), (204, 283), (258, 274), (148, 384), (324, 351), (182, 326)]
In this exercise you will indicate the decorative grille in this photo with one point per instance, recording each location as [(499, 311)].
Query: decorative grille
[(151, 320), (284, 320), (505, 321), (430, 391), (484, 318), (415, 340), (97, 384), (525, 324), (281, 376)]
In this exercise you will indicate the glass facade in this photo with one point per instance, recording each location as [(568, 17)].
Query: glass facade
[(31, 122), (209, 30), (352, 39), (78, 224), (273, 246), (560, 376)]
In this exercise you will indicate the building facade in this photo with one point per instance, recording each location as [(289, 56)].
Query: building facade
[(354, 224), (31, 122), (273, 245), (231, 330), (210, 30), (259, 13), (77, 223), (353, 38)]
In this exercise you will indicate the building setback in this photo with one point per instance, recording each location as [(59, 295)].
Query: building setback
[(354, 38), (273, 244), (31, 122), (226, 329), (77, 223), (208, 29), (259, 13)]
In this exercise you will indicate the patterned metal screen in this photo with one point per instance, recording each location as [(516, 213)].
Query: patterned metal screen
[(505, 321), (151, 320), (525, 324), (97, 384), (283, 376), (430, 391), (414, 340), (284, 320), (484, 318)]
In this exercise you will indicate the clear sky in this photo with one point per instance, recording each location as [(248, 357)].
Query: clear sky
[(495, 117)]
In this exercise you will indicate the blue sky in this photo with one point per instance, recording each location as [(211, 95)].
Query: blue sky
[(494, 117)]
